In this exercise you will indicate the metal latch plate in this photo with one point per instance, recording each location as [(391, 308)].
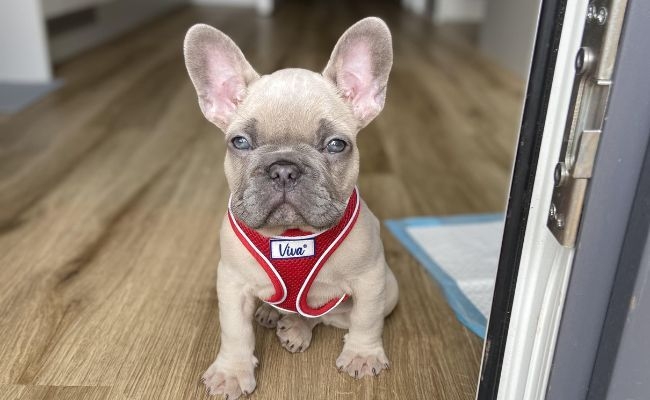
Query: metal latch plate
[(594, 65)]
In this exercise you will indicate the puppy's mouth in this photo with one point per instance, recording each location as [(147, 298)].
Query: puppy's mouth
[(285, 214), (287, 208)]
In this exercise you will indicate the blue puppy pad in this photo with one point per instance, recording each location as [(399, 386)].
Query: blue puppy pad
[(461, 253)]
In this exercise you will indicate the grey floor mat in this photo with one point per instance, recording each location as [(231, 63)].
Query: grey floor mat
[(16, 96)]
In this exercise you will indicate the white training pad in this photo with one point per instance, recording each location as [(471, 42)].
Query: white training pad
[(461, 253), (468, 253)]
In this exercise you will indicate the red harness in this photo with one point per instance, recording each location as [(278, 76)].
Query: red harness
[(292, 261)]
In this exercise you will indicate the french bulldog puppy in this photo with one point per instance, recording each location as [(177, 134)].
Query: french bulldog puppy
[(292, 164)]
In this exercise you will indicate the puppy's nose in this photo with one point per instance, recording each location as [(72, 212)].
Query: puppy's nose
[(284, 172)]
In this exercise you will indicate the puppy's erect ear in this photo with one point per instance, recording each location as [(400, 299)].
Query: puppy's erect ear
[(219, 72), (359, 66)]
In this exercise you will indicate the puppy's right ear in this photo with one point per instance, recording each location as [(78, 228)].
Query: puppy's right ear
[(219, 72), (359, 67)]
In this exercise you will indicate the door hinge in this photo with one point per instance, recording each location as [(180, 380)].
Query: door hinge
[(594, 64)]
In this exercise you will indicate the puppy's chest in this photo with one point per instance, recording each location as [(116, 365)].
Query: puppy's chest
[(294, 282), (292, 269), (294, 262)]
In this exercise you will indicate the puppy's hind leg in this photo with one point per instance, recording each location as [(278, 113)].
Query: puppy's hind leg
[(295, 332), (340, 316), (267, 316), (391, 291)]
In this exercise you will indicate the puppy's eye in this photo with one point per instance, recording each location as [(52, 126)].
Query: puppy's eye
[(336, 146), (241, 143)]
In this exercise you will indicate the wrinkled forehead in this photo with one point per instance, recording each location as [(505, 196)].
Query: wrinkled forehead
[(293, 104)]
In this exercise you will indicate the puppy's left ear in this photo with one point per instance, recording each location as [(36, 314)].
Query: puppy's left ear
[(359, 66)]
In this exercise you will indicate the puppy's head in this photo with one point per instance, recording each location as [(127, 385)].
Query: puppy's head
[(292, 158)]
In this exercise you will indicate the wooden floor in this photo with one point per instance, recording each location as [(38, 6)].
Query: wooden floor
[(112, 191)]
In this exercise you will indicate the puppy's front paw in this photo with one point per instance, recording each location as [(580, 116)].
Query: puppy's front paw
[(294, 333), (267, 316), (362, 363), (231, 379)]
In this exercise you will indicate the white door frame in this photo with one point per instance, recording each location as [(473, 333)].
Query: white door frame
[(544, 266)]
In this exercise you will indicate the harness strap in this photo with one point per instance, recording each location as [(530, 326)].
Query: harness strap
[(293, 260)]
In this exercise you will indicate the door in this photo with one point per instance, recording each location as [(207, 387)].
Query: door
[(581, 147)]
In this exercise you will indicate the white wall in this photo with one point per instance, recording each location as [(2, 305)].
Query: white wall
[(508, 33), (24, 53)]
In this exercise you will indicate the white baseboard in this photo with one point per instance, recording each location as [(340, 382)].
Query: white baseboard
[(264, 7), (449, 10), (235, 3), (459, 11), (55, 8)]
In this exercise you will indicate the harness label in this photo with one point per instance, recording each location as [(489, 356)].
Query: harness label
[(282, 248)]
